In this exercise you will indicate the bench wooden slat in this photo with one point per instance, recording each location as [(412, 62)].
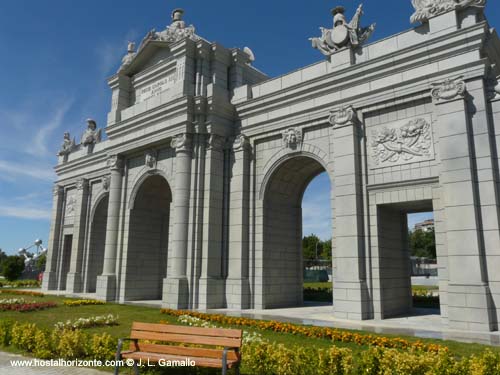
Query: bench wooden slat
[(187, 339), (184, 351), (204, 362), (166, 328)]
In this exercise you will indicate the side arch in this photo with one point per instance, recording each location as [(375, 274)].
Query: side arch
[(283, 155)]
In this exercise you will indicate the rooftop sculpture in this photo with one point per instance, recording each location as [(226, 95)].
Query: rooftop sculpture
[(343, 34), (425, 9), (92, 135)]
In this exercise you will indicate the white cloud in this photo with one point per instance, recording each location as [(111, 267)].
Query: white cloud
[(20, 212), (12, 171), (39, 145)]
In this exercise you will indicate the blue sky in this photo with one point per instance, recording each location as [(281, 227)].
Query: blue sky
[(58, 53)]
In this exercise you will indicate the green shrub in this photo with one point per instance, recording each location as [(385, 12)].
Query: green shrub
[(70, 344), (43, 348), (102, 347), (487, 363), (335, 361), (5, 332), (23, 336), (13, 267)]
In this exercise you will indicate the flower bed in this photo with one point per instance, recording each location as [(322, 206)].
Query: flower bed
[(20, 284), (28, 306), (22, 293), (83, 302), (311, 331), (93, 321)]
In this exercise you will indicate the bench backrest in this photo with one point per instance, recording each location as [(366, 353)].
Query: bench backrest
[(162, 334)]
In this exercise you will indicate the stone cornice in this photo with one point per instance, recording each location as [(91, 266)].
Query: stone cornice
[(402, 60)]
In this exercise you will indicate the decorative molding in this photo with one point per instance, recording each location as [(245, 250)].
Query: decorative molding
[(81, 184), (391, 186), (181, 142), (57, 190), (292, 138), (448, 89), (344, 116), (215, 142), (115, 162), (343, 34), (151, 158), (425, 9), (411, 142), (241, 142), (106, 183)]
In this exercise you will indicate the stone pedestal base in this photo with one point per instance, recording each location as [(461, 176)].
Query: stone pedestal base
[(238, 294), (49, 281), (470, 308), (176, 293), (106, 287), (351, 300), (211, 292), (74, 283)]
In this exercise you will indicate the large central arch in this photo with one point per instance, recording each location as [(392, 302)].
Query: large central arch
[(148, 240), (282, 247)]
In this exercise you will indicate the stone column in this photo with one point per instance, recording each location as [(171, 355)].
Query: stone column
[(468, 291), (120, 97), (175, 285), (54, 244), (106, 283), (74, 278), (211, 283), (351, 299), (237, 283)]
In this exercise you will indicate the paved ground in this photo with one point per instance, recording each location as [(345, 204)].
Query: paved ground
[(7, 368)]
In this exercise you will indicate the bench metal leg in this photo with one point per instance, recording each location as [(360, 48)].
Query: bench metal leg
[(224, 362), (136, 368)]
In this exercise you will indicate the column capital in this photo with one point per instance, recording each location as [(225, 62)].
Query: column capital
[(57, 190), (448, 90), (181, 142), (343, 116), (215, 142), (115, 163), (82, 184), (241, 142)]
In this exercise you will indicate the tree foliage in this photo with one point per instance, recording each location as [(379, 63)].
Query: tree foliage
[(313, 248), (3, 257), (13, 267), (422, 244)]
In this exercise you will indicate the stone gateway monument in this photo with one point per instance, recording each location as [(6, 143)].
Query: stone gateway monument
[(192, 195)]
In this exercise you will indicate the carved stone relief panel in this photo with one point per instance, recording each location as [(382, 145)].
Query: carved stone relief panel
[(70, 207), (401, 142)]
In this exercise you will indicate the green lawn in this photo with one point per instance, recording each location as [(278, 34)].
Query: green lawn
[(127, 314)]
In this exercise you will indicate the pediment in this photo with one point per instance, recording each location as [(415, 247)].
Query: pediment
[(152, 53)]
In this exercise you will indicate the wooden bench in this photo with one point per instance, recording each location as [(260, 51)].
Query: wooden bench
[(220, 347)]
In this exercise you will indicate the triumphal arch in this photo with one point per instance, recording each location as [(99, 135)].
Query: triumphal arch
[(191, 194)]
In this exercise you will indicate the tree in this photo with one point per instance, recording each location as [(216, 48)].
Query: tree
[(13, 267), (422, 244), (40, 262), (326, 252), (309, 244), (3, 256)]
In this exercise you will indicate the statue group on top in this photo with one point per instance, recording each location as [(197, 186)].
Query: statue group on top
[(343, 34), (425, 9), (90, 137), (176, 31)]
